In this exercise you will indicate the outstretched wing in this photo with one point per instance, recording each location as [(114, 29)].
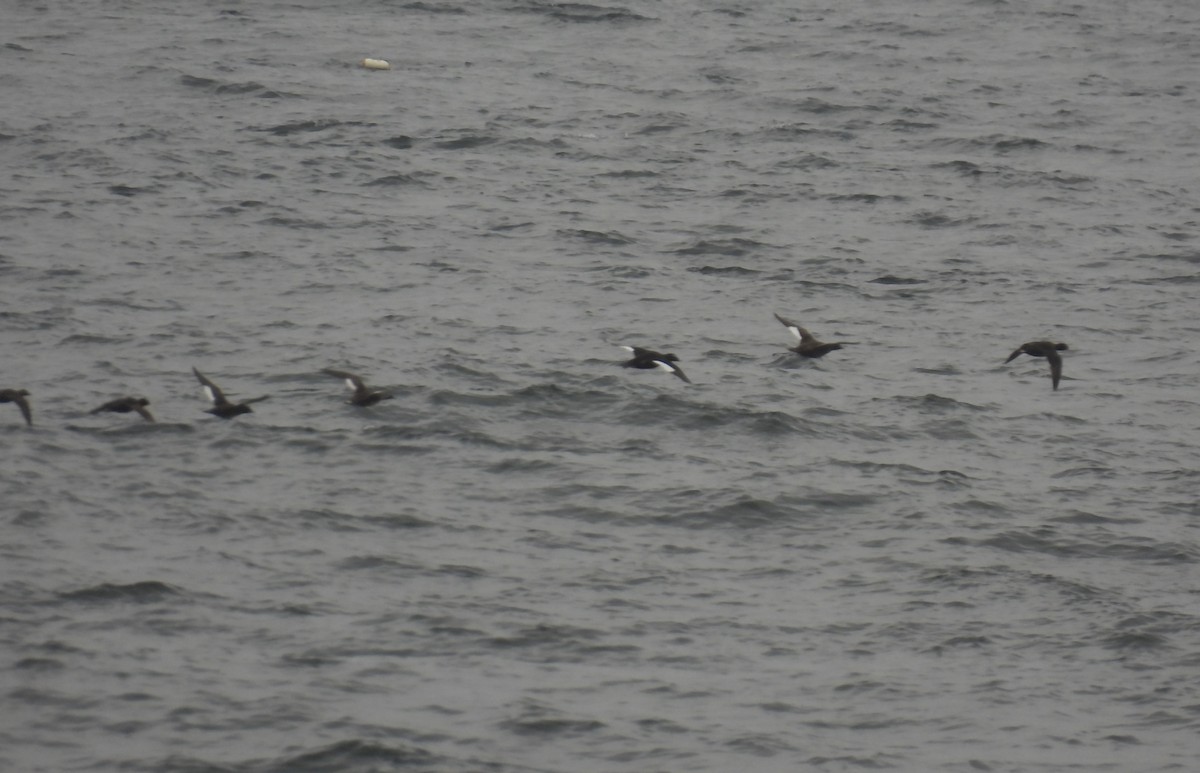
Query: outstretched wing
[(796, 330), (1055, 367), (23, 404), (672, 367), (352, 381), (800, 333), (212, 390)]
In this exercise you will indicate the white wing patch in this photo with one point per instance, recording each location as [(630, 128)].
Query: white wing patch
[(350, 384), (665, 366), (627, 348), (209, 393), (796, 332)]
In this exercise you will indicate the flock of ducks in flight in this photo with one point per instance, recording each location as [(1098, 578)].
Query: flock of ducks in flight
[(363, 396), (809, 346)]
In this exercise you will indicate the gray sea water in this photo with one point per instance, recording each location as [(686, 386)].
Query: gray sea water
[(907, 556)]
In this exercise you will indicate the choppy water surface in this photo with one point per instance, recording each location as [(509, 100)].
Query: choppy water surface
[(905, 556)]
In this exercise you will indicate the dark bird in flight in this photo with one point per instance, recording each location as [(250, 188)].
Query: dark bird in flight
[(645, 359), (221, 405), (18, 396), (1045, 349), (127, 405), (363, 395), (808, 346)]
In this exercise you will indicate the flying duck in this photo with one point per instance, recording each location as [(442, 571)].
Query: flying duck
[(808, 346), (363, 396), (127, 405), (18, 396), (645, 359), (1046, 349), (221, 405)]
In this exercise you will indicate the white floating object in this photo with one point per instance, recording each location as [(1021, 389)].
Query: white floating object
[(376, 64)]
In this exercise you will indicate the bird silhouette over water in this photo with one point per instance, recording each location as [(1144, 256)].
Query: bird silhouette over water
[(221, 405), (808, 346), (647, 359), (127, 405), (1046, 349), (18, 396), (363, 395)]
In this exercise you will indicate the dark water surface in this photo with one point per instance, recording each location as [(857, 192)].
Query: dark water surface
[(905, 556)]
